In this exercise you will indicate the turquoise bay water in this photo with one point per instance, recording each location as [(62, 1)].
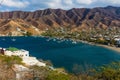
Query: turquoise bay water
[(62, 53)]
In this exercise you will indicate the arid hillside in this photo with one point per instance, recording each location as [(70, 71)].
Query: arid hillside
[(20, 22)]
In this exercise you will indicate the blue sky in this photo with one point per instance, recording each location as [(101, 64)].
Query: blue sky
[(31, 5)]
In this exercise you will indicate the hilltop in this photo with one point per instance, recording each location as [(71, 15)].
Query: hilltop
[(21, 22)]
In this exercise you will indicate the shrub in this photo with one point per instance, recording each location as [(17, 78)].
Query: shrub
[(110, 72), (12, 49), (53, 75), (10, 60)]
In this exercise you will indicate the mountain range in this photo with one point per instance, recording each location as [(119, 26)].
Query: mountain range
[(19, 22)]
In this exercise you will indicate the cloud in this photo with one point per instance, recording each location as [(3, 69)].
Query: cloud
[(15, 3), (86, 2), (64, 4), (68, 2), (112, 1), (54, 3), (103, 3)]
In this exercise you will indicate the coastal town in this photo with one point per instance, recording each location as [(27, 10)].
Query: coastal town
[(108, 36), (70, 39)]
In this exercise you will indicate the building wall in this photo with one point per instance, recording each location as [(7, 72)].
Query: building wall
[(20, 53), (30, 61)]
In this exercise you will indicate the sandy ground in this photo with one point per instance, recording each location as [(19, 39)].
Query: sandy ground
[(117, 49), (110, 47)]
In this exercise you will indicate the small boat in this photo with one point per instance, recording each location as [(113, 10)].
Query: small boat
[(59, 41), (35, 36), (13, 39), (74, 42), (54, 39), (3, 39), (48, 39)]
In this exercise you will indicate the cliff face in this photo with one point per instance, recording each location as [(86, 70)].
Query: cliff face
[(76, 18)]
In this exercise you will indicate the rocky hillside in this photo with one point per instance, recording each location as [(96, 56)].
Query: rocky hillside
[(100, 17), (17, 27)]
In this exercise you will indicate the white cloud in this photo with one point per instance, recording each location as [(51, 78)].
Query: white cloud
[(68, 2), (54, 3), (107, 2), (15, 3), (113, 1), (84, 1), (64, 4)]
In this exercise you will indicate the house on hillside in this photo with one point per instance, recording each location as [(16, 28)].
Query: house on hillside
[(117, 41), (30, 61), (20, 53), (2, 51)]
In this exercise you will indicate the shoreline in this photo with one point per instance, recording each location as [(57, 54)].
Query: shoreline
[(117, 49), (113, 48)]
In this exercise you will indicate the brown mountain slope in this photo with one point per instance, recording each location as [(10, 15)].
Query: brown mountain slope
[(101, 17), (16, 28)]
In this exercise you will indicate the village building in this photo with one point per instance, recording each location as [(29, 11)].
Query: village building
[(118, 43), (2, 51), (24, 54), (20, 53), (117, 39)]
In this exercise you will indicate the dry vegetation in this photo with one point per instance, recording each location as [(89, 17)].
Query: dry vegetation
[(108, 72)]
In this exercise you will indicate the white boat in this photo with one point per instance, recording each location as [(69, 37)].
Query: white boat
[(48, 39), (74, 42), (54, 39), (3, 39), (13, 39)]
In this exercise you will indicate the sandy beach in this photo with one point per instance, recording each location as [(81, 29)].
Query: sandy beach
[(110, 47), (117, 49)]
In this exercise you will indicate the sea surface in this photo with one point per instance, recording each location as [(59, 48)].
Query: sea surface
[(62, 53)]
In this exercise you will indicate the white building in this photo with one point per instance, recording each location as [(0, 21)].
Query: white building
[(117, 41), (20, 53), (30, 61)]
